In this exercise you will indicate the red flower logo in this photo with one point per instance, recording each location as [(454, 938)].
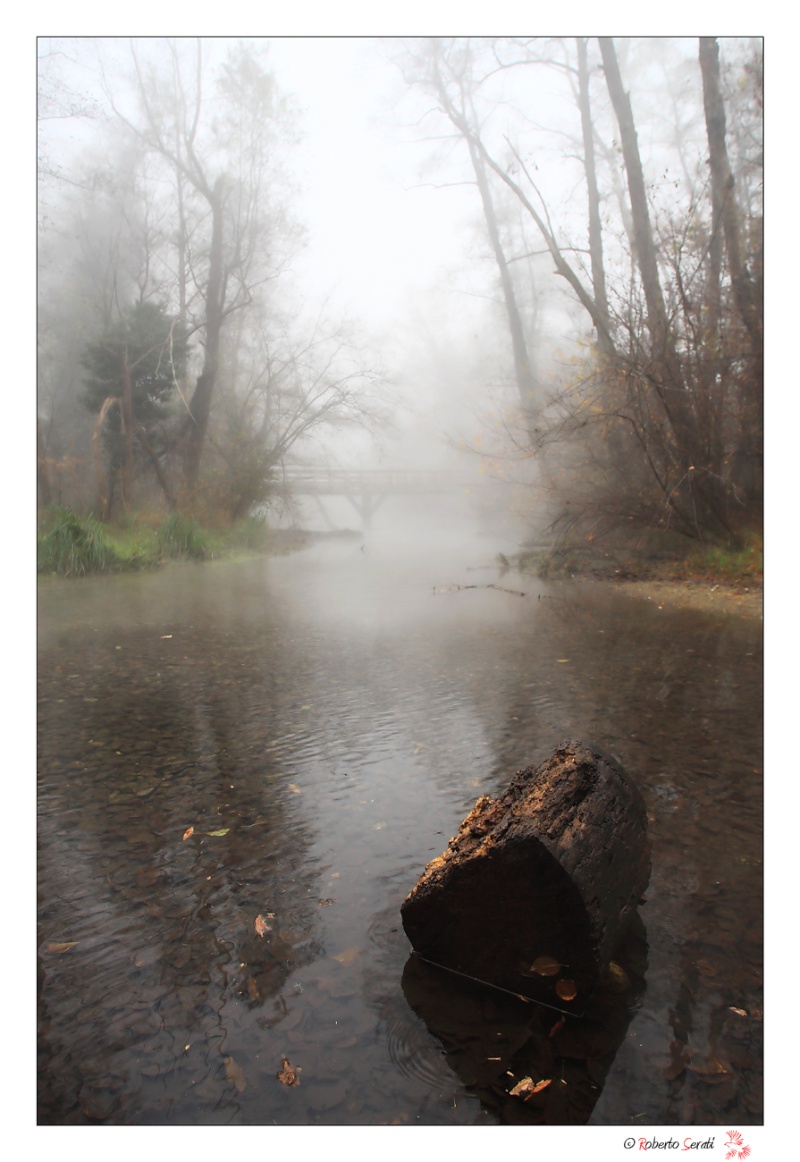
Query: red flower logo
[(735, 1146)]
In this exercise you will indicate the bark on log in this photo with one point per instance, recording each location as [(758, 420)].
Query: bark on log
[(533, 893)]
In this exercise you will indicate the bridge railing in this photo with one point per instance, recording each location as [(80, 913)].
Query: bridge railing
[(376, 481)]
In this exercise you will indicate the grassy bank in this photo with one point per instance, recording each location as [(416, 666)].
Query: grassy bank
[(73, 546), (655, 558)]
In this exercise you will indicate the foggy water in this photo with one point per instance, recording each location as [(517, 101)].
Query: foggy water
[(334, 714)]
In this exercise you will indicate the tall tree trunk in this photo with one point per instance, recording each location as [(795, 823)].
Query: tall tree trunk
[(697, 494), (522, 363), (105, 485), (44, 491), (127, 425), (200, 404), (595, 230), (642, 230), (161, 476), (722, 184), (746, 293), (463, 118)]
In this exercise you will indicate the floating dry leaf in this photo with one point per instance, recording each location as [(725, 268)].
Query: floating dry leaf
[(739, 1012), (528, 1087), (546, 966), (189, 831), (293, 787), (522, 1087), (62, 947), (261, 926), (567, 990), (222, 831), (235, 1074), (288, 1073)]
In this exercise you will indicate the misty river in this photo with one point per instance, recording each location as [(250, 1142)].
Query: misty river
[(294, 738)]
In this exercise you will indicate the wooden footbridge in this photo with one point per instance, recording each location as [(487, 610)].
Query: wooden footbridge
[(366, 489)]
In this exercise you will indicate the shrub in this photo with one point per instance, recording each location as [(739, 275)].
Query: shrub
[(181, 536), (74, 546)]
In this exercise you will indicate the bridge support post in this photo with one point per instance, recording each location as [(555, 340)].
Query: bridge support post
[(366, 506)]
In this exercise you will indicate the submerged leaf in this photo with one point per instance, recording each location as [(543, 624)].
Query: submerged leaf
[(706, 967), (261, 926), (288, 1074), (709, 1067), (349, 956), (617, 978), (235, 1074), (546, 966), (567, 990)]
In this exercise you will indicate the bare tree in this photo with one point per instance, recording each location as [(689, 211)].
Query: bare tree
[(447, 71), (664, 410), (219, 244)]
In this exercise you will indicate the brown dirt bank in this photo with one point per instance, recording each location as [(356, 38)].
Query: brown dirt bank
[(712, 597)]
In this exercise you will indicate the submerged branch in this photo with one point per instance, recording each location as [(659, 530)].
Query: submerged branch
[(457, 588)]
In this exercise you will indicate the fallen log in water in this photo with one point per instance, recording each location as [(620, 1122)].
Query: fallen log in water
[(532, 894)]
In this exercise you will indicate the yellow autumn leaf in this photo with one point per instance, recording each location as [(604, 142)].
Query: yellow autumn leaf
[(288, 1074)]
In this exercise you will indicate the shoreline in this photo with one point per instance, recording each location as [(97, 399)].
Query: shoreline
[(746, 602)]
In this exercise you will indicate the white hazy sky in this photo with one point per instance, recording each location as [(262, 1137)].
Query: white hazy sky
[(375, 232)]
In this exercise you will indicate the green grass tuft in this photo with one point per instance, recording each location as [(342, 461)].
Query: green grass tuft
[(182, 536), (731, 565), (74, 545)]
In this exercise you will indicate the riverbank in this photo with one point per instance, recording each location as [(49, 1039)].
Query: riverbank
[(718, 597), (69, 545), (711, 579)]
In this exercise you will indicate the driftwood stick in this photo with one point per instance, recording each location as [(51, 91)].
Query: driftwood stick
[(456, 588)]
